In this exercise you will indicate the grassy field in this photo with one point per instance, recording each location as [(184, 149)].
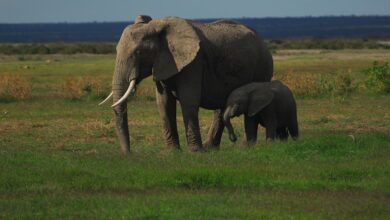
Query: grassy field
[(60, 158)]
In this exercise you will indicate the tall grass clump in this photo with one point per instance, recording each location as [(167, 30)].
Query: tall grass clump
[(85, 88), (14, 88), (378, 78), (343, 83)]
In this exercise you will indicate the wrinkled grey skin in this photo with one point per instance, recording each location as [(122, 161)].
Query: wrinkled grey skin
[(193, 63), (270, 104)]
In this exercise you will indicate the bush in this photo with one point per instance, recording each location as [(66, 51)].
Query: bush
[(378, 78), (14, 88)]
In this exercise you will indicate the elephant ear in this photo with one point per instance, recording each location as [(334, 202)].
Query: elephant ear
[(259, 99), (179, 46)]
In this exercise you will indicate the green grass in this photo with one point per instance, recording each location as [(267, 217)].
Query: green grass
[(60, 158)]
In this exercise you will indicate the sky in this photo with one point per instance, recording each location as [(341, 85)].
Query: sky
[(49, 11)]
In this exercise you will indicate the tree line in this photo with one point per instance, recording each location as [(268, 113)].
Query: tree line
[(274, 45)]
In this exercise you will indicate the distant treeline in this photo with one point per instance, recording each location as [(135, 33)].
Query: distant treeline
[(269, 28), (58, 48), (109, 48), (329, 44)]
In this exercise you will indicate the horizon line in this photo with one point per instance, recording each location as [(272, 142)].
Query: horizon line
[(199, 19)]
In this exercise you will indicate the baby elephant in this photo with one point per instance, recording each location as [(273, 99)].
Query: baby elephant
[(271, 104)]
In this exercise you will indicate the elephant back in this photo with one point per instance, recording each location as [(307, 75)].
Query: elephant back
[(236, 53)]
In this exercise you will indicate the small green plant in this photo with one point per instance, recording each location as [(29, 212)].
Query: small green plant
[(378, 78)]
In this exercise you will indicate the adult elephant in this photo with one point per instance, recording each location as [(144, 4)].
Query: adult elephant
[(193, 63)]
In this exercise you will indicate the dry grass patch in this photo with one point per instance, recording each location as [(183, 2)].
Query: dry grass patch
[(146, 91), (14, 88), (85, 87), (315, 84)]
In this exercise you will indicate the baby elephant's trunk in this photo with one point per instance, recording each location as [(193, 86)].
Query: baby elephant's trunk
[(228, 124)]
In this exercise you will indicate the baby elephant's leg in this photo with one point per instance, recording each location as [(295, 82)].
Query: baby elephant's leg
[(270, 124), (281, 133), (251, 127), (270, 133)]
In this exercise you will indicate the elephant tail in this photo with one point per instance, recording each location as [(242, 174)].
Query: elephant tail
[(293, 128)]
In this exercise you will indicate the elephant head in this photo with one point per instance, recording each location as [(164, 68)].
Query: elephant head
[(249, 100), (160, 47)]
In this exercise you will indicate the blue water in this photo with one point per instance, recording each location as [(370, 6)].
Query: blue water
[(269, 28)]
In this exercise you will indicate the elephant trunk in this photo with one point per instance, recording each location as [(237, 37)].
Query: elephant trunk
[(122, 127), (228, 124), (119, 85)]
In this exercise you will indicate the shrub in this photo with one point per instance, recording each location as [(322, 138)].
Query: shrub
[(378, 78), (14, 88), (85, 88)]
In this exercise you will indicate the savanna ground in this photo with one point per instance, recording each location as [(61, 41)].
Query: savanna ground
[(60, 158)]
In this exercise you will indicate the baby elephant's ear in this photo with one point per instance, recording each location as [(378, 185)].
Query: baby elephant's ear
[(259, 99)]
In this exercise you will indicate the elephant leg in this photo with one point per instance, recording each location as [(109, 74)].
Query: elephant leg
[(251, 127), (189, 90), (281, 133), (293, 128), (270, 122), (270, 131), (191, 124), (215, 132), (166, 104)]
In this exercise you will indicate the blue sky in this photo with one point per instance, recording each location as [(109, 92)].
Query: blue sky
[(30, 11)]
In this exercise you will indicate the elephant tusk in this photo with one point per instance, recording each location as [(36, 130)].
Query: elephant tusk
[(105, 100), (127, 93)]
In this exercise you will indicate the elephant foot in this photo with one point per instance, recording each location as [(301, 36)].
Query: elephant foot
[(209, 145), (172, 143), (125, 152), (269, 140), (249, 143), (173, 150), (196, 149), (173, 147)]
